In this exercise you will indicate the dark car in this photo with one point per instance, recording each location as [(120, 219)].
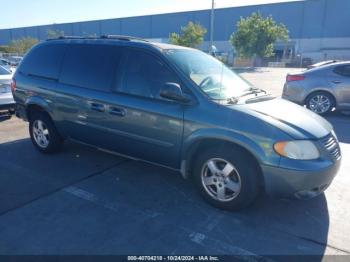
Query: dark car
[(178, 108)]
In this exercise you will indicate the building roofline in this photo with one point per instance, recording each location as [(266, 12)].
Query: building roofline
[(150, 15)]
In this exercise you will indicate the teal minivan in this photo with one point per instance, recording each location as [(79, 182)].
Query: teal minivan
[(178, 108)]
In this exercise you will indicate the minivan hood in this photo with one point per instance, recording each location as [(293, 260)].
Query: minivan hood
[(297, 121)]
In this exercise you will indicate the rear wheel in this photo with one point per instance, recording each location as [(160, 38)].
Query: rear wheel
[(44, 134), (320, 103), (227, 178)]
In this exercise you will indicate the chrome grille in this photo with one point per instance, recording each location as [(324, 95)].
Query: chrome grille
[(331, 144)]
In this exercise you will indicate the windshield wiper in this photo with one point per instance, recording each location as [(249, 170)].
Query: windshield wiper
[(252, 91), (257, 90)]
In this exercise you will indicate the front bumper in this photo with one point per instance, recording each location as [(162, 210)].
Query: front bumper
[(308, 183)]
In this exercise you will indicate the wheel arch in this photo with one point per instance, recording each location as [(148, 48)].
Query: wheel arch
[(36, 104), (317, 90), (192, 149)]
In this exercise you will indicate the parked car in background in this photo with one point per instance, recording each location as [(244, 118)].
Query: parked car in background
[(15, 60), (6, 64), (178, 108), (6, 98), (322, 89)]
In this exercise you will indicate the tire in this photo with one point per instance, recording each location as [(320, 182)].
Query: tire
[(244, 177), (320, 97), (45, 139), (12, 112)]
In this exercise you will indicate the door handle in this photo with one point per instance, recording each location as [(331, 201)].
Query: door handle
[(97, 107), (336, 82), (117, 111)]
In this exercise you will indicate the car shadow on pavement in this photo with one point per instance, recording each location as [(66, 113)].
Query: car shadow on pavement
[(152, 210), (27, 175)]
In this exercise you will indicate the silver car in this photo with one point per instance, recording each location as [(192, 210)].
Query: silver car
[(6, 98), (322, 89)]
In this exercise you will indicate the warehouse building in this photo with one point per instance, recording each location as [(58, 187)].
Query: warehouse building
[(319, 29)]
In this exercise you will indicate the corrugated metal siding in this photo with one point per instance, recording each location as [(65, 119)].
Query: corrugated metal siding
[(305, 19)]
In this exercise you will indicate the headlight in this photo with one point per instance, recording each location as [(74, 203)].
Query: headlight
[(302, 150)]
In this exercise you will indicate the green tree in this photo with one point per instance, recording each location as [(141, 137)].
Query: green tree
[(4, 48), (22, 45), (192, 35), (255, 36), (52, 34)]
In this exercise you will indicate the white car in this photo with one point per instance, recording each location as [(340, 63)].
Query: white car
[(6, 98), (7, 65)]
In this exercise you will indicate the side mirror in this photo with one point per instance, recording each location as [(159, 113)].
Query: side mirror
[(172, 91)]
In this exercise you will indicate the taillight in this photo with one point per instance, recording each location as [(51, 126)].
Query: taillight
[(291, 78), (13, 85)]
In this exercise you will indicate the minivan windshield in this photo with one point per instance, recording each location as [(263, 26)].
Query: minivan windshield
[(209, 74)]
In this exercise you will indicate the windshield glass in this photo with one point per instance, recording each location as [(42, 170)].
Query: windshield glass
[(209, 74), (3, 71)]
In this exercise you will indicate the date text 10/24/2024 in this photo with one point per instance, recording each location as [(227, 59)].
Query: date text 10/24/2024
[(173, 258)]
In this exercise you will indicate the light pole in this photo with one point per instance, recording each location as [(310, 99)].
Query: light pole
[(212, 17)]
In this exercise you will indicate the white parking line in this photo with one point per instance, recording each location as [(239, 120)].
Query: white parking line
[(116, 207)]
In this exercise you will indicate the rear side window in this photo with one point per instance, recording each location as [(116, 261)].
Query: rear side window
[(90, 66), (44, 61), (343, 70)]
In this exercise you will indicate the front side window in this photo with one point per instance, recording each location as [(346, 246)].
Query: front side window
[(209, 74), (90, 66), (144, 75)]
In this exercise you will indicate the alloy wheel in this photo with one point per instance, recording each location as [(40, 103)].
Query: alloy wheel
[(41, 134), (221, 179), (320, 104)]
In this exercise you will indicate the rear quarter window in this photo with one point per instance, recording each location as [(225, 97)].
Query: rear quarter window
[(343, 70), (90, 66), (44, 61)]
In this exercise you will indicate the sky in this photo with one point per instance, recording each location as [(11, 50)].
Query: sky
[(22, 13)]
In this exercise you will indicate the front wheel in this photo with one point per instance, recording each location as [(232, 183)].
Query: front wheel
[(43, 134), (227, 178)]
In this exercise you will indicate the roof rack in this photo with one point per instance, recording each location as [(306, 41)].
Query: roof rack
[(116, 37), (123, 37), (70, 37)]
